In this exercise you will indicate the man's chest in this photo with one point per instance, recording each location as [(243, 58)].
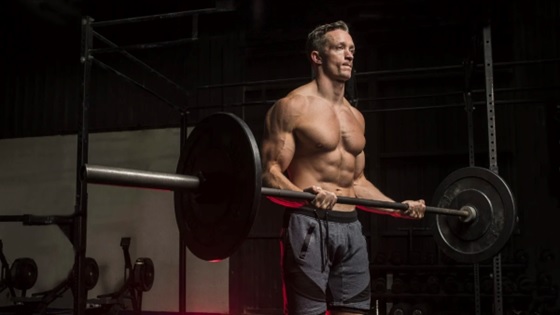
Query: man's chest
[(330, 130)]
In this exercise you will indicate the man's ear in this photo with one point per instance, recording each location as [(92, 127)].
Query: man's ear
[(316, 57)]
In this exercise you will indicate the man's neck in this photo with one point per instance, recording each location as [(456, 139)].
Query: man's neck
[(330, 89)]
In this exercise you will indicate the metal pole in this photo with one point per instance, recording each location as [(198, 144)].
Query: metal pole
[(169, 43), (138, 84), (30, 219), (138, 61), (492, 148), (488, 73), (476, 273), (373, 110), (182, 242), (80, 220), (469, 108), (158, 17), (382, 72)]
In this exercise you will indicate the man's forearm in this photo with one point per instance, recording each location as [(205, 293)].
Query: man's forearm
[(366, 190), (275, 179), (369, 191)]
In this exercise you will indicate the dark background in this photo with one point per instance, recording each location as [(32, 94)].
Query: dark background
[(411, 76)]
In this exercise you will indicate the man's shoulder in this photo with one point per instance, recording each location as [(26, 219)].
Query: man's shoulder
[(298, 101), (356, 112), (295, 100)]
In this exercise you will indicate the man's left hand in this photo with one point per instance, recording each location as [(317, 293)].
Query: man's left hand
[(416, 208)]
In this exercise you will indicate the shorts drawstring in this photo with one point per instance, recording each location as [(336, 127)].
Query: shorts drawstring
[(321, 216)]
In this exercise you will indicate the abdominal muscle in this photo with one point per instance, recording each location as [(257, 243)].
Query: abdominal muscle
[(335, 176)]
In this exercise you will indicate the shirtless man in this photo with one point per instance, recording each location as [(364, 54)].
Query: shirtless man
[(314, 141)]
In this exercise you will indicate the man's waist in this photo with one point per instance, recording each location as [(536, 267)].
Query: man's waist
[(322, 214)]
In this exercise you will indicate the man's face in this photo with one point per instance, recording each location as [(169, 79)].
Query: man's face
[(338, 55)]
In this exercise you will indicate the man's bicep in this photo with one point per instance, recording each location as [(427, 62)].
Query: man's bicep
[(278, 142), (278, 150)]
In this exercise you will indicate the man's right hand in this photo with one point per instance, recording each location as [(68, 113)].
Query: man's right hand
[(324, 199)]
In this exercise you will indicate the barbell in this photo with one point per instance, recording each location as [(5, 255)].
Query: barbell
[(217, 190)]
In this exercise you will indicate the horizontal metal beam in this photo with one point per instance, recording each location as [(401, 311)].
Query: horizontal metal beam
[(163, 16)]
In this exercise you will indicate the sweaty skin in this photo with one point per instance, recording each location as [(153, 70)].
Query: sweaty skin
[(314, 139)]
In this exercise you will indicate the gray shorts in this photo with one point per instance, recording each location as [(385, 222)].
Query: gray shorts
[(324, 262)]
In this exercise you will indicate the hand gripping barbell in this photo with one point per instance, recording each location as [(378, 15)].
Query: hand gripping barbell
[(218, 191)]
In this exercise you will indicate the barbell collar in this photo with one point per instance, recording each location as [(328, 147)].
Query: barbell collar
[(104, 175), (472, 213)]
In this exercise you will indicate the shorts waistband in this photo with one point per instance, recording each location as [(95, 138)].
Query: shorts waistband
[(322, 214)]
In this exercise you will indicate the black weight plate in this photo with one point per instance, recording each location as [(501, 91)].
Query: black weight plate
[(91, 270), (23, 273), (216, 218), (484, 237), (473, 230), (91, 274), (143, 274)]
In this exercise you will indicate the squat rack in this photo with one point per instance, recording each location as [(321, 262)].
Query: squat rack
[(87, 59)]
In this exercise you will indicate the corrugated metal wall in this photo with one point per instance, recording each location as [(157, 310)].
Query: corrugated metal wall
[(41, 77)]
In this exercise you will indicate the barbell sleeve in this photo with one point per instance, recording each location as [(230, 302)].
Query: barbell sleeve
[(105, 175), (147, 179)]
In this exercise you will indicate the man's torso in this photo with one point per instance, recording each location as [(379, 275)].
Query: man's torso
[(328, 138)]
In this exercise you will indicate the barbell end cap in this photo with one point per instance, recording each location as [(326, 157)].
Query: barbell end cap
[(472, 214)]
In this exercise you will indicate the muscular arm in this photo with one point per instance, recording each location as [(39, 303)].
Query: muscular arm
[(278, 150), (278, 145), (363, 188)]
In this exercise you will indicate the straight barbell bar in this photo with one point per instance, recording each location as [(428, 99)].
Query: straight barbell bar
[(105, 175), (218, 190)]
